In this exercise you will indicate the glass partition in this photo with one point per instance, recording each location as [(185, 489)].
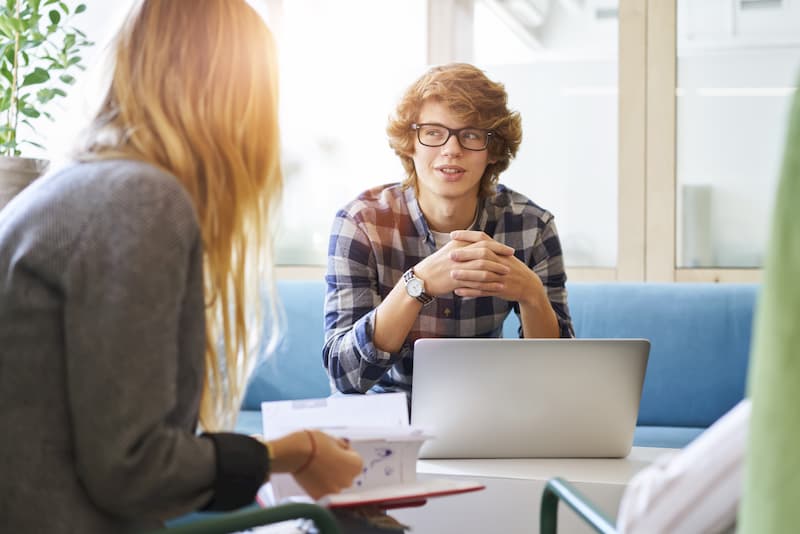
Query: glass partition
[(737, 69)]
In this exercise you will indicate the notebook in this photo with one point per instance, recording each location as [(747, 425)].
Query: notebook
[(528, 398)]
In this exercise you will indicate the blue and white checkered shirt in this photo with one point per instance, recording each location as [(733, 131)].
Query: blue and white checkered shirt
[(380, 235)]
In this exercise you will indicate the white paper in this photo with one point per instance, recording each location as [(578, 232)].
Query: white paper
[(376, 425), (385, 410)]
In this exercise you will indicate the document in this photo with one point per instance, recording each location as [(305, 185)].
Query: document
[(378, 429)]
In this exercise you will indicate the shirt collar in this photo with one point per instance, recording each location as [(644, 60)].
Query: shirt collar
[(487, 213)]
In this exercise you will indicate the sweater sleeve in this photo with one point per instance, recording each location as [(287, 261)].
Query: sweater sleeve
[(134, 288), (242, 465)]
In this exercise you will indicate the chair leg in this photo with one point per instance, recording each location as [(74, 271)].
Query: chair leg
[(558, 489)]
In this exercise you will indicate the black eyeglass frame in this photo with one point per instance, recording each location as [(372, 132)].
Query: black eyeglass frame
[(451, 132)]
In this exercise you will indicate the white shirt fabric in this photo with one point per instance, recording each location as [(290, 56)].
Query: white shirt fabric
[(696, 490), (441, 238)]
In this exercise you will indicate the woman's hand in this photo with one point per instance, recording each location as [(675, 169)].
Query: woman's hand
[(321, 464)]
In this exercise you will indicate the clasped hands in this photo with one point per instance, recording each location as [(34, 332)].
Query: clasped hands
[(473, 264)]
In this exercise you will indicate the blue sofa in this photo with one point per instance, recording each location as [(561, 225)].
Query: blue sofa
[(699, 334)]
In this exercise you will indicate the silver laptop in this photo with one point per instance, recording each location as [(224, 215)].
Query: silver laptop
[(528, 398)]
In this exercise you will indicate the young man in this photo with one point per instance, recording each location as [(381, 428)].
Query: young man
[(447, 253)]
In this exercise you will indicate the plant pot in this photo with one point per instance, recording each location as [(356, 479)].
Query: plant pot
[(16, 173)]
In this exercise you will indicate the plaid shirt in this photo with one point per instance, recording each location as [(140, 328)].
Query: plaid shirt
[(380, 235)]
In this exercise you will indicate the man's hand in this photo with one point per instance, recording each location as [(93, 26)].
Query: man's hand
[(484, 260), (518, 283)]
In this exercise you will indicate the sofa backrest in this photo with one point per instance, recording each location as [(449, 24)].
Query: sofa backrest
[(699, 342), (294, 370), (699, 335)]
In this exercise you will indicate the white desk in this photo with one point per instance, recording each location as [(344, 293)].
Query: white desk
[(510, 502)]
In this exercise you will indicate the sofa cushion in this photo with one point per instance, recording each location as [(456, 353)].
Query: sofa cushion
[(673, 437)]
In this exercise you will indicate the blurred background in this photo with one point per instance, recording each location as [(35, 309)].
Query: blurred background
[(653, 129)]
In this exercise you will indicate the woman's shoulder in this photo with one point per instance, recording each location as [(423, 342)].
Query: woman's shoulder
[(106, 197), (122, 180), (122, 189)]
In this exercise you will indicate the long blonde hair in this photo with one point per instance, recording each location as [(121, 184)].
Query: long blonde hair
[(194, 91)]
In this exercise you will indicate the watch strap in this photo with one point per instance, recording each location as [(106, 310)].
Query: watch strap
[(423, 297)]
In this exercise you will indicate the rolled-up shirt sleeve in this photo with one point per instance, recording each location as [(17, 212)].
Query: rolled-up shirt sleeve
[(353, 362), (547, 261)]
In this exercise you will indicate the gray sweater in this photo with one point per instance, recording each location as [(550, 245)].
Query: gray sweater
[(101, 358)]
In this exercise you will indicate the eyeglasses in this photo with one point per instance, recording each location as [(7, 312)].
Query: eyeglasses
[(434, 135)]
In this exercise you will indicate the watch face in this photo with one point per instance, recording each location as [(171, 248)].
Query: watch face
[(414, 287)]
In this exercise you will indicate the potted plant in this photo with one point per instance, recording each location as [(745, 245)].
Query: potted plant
[(39, 52)]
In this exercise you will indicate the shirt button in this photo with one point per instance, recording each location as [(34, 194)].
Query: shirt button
[(447, 312)]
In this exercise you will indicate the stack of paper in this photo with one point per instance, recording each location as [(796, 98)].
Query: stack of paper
[(378, 429)]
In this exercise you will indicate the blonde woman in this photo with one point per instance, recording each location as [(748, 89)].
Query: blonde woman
[(124, 296)]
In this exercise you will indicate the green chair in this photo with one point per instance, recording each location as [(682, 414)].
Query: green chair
[(245, 519), (558, 489)]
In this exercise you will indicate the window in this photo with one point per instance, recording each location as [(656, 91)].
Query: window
[(654, 130), (737, 73), (344, 66), (558, 61)]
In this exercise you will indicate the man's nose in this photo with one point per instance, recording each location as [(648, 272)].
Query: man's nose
[(452, 146)]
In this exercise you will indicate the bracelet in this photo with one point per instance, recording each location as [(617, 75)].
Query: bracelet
[(311, 455)]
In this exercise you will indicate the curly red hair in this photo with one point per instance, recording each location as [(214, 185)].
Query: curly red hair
[(475, 100)]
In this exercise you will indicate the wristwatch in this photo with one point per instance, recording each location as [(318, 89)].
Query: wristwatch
[(415, 287)]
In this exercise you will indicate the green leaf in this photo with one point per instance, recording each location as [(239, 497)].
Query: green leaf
[(64, 8), (55, 17), (45, 95), (35, 41), (33, 23), (30, 112), (39, 75), (17, 25), (69, 41), (67, 79), (80, 9), (33, 143), (5, 26), (6, 73), (34, 5)]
